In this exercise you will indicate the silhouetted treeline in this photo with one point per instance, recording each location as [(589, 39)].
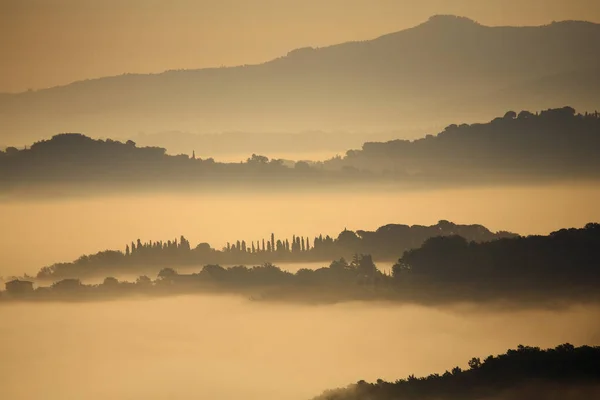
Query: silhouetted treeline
[(263, 281), (552, 144), (565, 372), (386, 243), (560, 267)]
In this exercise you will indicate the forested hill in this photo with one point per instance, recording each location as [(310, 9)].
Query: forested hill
[(445, 69), (552, 144), (386, 243), (565, 372), (568, 257)]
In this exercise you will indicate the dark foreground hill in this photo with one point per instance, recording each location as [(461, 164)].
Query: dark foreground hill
[(448, 68), (527, 373)]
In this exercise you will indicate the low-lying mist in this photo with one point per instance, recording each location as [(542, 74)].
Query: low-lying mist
[(222, 347)]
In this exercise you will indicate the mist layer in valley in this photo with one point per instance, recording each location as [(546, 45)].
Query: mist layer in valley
[(223, 347), (98, 177)]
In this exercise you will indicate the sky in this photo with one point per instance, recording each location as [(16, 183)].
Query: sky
[(45, 43)]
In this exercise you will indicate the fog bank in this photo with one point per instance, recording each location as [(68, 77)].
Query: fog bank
[(226, 347)]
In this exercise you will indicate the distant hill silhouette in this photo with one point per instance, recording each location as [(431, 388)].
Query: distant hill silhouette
[(565, 372), (552, 145), (445, 69), (81, 163)]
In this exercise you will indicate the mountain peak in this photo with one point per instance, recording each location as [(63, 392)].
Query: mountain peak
[(450, 20)]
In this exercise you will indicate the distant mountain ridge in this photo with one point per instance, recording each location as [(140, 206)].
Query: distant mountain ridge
[(445, 69)]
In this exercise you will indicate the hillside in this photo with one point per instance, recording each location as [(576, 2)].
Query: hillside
[(447, 68), (565, 372)]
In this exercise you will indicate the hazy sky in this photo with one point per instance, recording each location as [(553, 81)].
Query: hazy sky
[(51, 42)]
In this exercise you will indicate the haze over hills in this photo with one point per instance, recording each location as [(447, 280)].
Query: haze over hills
[(195, 204), (553, 145), (446, 69)]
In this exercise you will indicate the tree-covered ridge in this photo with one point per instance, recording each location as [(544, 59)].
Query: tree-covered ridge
[(74, 158), (568, 257), (354, 279), (386, 243), (565, 372), (561, 267), (553, 143)]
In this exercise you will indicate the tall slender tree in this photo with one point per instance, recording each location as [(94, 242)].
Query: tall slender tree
[(272, 242)]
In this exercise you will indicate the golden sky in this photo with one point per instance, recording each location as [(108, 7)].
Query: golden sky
[(45, 43)]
